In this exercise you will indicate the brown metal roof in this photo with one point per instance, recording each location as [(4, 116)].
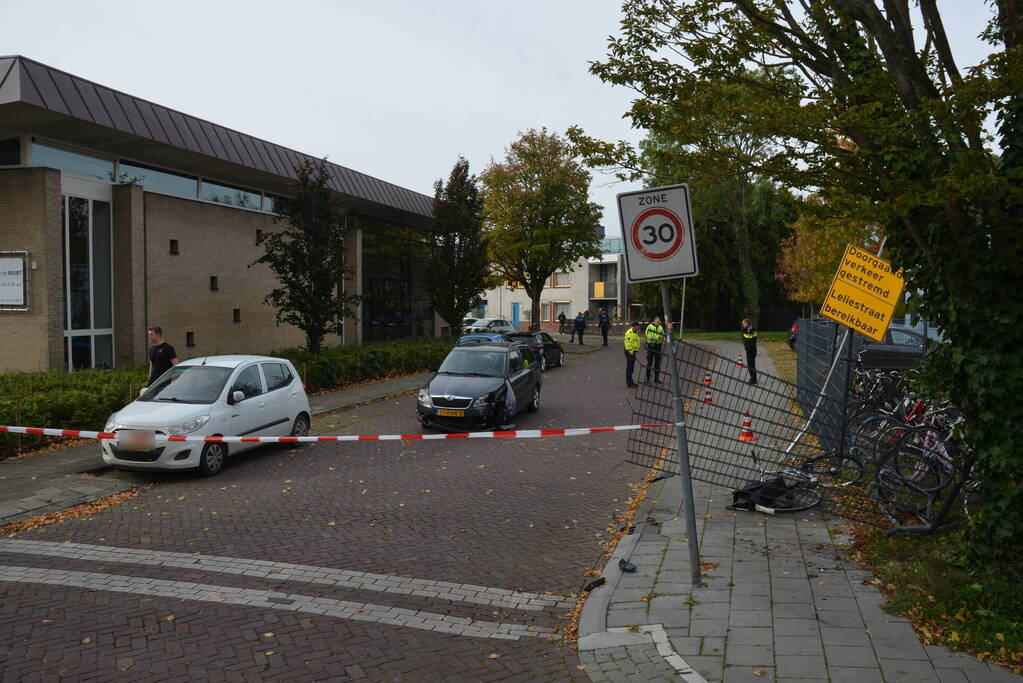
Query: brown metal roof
[(83, 112)]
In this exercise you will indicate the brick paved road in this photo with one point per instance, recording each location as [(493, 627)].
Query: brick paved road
[(485, 536)]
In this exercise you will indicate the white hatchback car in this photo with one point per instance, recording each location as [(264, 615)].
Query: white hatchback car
[(212, 396)]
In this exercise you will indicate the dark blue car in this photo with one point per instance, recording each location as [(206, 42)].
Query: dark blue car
[(482, 338), (480, 386)]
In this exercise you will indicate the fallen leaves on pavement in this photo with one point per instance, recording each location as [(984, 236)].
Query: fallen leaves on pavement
[(68, 513)]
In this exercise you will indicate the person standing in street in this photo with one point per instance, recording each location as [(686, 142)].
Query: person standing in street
[(604, 323), (654, 340), (579, 326), (162, 356), (749, 343), (561, 322), (631, 349)]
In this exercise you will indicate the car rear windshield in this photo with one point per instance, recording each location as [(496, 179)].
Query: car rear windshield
[(189, 384), (485, 363)]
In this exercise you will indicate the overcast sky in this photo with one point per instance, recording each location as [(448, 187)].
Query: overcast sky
[(394, 89)]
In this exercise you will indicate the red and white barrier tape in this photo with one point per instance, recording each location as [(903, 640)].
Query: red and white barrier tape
[(512, 434)]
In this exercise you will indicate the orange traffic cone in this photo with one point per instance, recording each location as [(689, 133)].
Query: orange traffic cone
[(738, 363), (706, 378), (747, 429), (707, 399)]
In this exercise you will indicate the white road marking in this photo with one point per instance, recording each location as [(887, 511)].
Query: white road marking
[(282, 571), (340, 609)]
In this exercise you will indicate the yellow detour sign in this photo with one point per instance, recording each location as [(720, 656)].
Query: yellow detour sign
[(864, 293)]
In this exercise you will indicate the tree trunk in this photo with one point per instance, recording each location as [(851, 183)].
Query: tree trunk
[(748, 287), (534, 322)]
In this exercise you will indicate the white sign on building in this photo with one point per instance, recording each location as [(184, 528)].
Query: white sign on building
[(12, 281)]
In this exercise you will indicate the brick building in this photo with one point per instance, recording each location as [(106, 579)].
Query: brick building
[(117, 213)]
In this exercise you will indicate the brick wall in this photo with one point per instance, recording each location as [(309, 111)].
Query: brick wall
[(129, 266), (30, 220), (213, 241)]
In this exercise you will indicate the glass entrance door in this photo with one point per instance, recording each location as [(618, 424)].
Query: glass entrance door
[(88, 276)]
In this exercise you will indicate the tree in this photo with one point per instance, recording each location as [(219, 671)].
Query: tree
[(537, 213), (740, 220), (810, 257), (865, 105), (308, 256), (458, 266), (720, 162)]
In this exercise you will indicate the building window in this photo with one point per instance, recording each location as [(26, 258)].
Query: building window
[(71, 162), (395, 298), (214, 285), (10, 152), (157, 181), (232, 196), (562, 307), (189, 338), (259, 237), (545, 312), (237, 315), (269, 203), (561, 279), (174, 247)]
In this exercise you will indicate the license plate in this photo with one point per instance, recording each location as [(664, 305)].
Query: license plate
[(450, 413), (135, 440)]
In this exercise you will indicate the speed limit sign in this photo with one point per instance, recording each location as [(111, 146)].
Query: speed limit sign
[(658, 229)]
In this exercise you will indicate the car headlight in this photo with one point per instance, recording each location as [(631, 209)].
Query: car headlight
[(424, 398), (111, 424), (483, 400), (188, 426)]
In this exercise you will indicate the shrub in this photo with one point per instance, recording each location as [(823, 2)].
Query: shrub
[(338, 366)]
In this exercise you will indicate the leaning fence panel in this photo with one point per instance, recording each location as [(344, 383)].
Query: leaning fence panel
[(741, 433)]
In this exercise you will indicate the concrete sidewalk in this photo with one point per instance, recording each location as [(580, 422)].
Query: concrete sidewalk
[(779, 602), (37, 484)]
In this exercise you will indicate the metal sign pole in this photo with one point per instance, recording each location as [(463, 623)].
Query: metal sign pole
[(683, 449), (682, 313)]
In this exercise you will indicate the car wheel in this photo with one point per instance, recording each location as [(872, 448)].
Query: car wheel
[(300, 428), (534, 404), (543, 363), (561, 359), (212, 460)]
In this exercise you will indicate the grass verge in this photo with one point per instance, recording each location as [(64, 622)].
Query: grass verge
[(735, 336), (973, 609)]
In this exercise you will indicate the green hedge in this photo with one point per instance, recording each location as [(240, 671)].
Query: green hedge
[(80, 400), (343, 365), (85, 399)]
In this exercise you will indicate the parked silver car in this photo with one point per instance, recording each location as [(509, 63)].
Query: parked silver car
[(491, 325)]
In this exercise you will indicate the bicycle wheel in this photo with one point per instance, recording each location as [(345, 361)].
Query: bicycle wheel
[(900, 500), (887, 434), (801, 495), (835, 469), (973, 500), (923, 457)]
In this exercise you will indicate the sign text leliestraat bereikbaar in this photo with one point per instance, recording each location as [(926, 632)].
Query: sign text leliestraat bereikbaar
[(864, 293)]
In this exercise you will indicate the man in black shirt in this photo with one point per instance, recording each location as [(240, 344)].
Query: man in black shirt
[(161, 354)]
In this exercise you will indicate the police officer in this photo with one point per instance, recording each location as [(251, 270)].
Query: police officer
[(631, 348), (605, 324), (749, 343), (654, 339), (579, 326)]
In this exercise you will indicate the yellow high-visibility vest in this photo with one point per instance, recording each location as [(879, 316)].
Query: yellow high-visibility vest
[(654, 334), (631, 340)]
